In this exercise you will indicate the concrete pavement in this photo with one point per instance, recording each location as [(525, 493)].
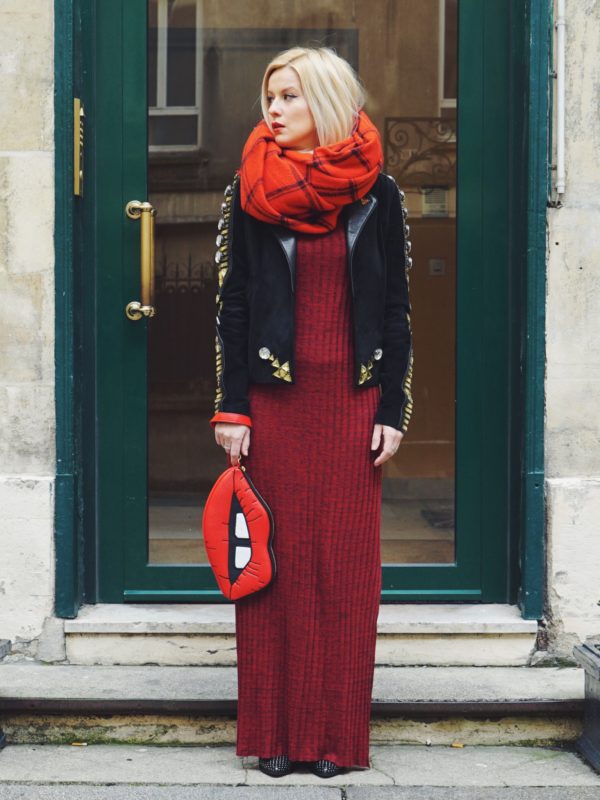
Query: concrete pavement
[(78, 792), (130, 772)]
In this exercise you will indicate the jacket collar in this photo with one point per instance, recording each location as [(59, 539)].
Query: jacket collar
[(354, 215)]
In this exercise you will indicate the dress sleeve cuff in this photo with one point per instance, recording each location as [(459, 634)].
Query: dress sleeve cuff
[(229, 416)]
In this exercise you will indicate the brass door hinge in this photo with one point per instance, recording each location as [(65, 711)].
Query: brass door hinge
[(78, 120)]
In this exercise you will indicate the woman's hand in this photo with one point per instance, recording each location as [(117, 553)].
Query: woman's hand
[(233, 438), (391, 442)]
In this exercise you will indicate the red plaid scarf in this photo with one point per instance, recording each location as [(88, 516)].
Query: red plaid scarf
[(306, 191)]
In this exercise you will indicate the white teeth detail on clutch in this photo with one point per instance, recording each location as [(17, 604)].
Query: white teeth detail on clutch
[(242, 556), (241, 528)]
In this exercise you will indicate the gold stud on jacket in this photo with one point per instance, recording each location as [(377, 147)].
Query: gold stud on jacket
[(407, 380), (222, 261), (281, 370)]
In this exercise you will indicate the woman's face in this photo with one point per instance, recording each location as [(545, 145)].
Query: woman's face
[(289, 109)]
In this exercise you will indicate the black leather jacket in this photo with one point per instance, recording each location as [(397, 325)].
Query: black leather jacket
[(255, 302)]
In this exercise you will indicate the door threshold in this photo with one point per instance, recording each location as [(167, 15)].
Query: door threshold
[(219, 618), (204, 634)]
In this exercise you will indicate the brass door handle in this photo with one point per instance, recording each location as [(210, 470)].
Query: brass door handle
[(145, 212)]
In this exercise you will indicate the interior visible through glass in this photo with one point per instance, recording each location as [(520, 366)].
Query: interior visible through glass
[(205, 64)]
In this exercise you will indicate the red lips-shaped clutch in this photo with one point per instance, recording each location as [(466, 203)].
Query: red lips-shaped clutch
[(237, 526)]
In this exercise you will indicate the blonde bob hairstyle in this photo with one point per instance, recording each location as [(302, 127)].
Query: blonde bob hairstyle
[(331, 88)]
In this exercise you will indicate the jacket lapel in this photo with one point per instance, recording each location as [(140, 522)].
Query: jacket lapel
[(287, 240), (356, 215)]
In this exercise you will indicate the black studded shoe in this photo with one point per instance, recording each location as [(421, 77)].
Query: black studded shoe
[(324, 768), (276, 766)]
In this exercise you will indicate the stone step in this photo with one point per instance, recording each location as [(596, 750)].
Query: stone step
[(108, 772), (204, 634), (197, 705)]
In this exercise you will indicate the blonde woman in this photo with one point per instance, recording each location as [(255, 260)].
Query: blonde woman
[(314, 370)]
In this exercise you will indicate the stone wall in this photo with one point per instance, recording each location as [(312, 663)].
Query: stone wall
[(27, 454), (573, 349)]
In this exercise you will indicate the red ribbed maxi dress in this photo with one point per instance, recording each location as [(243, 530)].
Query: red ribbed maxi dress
[(306, 642)]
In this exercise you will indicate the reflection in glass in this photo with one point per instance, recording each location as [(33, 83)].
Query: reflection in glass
[(205, 63)]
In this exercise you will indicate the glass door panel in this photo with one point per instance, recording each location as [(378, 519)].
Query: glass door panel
[(205, 63)]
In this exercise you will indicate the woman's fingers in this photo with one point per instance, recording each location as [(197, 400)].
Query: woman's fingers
[(234, 453), (391, 441), (234, 438), (246, 442), (376, 438)]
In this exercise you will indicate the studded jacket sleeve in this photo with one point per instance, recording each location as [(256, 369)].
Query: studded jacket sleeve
[(231, 338), (395, 405)]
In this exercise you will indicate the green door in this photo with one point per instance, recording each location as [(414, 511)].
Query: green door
[(175, 92)]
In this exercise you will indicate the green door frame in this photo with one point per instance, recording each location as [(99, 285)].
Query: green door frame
[(519, 236)]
